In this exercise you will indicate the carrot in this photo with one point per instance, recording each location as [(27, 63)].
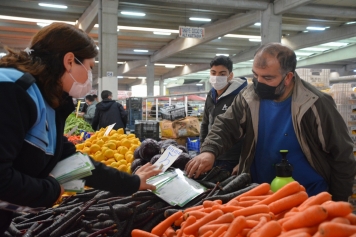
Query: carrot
[(309, 217), (207, 210), (249, 198), (163, 226), (142, 233), (247, 203), (354, 235), (251, 210), (193, 208), (261, 189), (236, 226), (227, 208), (330, 229), (197, 214), (262, 222), (213, 227), (208, 203), (352, 218), (336, 209), (342, 220), (226, 218), (302, 188), (170, 232), (192, 229), (252, 223), (271, 229), (288, 189), (290, 214), (317, 200), (207, 234), (219, 231), (233, 202), (310, 230), (245, 231), (281, 214), (257, 217), (179, 221), (317, 234), (288, 202), (300, 234), (188, 222)]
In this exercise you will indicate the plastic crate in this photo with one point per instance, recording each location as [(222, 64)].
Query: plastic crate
[(133, 115), (147, 129), (172, 114), (134, 103)]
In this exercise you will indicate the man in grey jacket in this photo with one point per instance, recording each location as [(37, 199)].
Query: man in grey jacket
[(91, 102), (282, 112)]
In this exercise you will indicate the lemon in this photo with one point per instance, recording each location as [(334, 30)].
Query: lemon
[(86, 150), (129, 157), (104, 148), (123, 150), (109, 153), (100, 142), (133, 148), (94, 148), (87, 143), (126, 143), (110, 145), (122, 168), (119, 157), (130, 136), (114, 164), (114, 137), (120, 131), (105, 139), (122, 162), (99, 156), (79, 146)]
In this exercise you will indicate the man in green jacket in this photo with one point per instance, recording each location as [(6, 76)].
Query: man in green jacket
[(279, 111)]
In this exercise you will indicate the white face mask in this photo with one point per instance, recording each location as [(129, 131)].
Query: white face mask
[(218, 82), (79, 90)]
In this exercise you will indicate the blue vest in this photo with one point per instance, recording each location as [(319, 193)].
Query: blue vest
[(43, 132), (275, 133)]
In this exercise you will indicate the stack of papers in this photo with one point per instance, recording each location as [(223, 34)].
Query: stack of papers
[(69, 171), (175, 187)]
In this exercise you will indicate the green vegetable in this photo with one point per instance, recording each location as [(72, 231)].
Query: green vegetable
[(72, 121)]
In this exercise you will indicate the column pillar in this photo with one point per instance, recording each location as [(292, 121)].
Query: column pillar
[(271, 26), (150, 78)]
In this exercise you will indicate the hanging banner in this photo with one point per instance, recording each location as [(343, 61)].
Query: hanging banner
[(191, 32)]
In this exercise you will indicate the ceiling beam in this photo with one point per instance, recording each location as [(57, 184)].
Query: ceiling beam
[(347, 53), (88, 19), (303, 40), (242, 72), (282, 6), (241, 4), (128, 66), (338, 12), (212, 31), (187, 69), (245, 55)]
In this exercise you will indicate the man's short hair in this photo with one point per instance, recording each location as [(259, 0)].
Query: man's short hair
[(222, 60), (89, 98), (105, 94), (95, 96), (285, 56)]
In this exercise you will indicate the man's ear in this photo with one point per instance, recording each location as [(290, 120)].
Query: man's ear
[(231, 76), (68, 61), (289, 77)]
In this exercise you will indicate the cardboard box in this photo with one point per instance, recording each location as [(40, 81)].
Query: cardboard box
[(187, 127)]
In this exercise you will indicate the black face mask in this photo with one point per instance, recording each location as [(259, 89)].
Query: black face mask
[(268, 92)]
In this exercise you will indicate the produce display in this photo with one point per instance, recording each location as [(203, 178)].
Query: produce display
[(115, 150), (99, 213), (73, 121)]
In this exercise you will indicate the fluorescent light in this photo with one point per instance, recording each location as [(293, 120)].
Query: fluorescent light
[(254, 40), (141, 50), (302, 53), (120, 62), (354, 70), (257, 24), (327, 27), (350, 23), (133, 13), (52, 5), (176, 65), (305, 31), (141, 77), (335, 44), (14, 18), (170, 66), (161, 33), (42, 24), (222, 54), (131, 77), (97, 47), (315, 28), (199, 84), (243, 36), (2, 54), (120, 77), (315, 49), (142, 29), (219, 37), (199, 19), (174, 79)]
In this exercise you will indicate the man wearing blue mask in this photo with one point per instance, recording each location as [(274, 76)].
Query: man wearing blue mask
[(219, 99), (279, 111)]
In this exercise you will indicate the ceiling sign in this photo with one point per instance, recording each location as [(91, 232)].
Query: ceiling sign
[(191, 32)]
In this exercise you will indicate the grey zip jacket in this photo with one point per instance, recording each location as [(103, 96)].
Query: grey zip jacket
[(319, 127)]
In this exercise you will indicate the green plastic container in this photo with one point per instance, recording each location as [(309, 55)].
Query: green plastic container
[(284, 172)]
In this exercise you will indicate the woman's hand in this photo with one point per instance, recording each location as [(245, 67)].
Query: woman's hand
[(145, 172)]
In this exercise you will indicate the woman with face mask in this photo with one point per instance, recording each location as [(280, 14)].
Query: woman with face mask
[(36, 90)]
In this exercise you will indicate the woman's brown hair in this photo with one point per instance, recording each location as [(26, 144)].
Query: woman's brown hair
[(45, 61)]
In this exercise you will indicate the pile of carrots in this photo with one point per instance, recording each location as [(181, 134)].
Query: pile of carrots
[(261, 213)]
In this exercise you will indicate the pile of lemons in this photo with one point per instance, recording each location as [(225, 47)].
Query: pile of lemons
[(114, 150)]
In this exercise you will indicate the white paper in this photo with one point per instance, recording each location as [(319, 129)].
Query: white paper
[(167, 158), (74, 186), (109, 129)]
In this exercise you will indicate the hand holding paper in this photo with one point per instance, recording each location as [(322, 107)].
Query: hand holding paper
[(146, 172)]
